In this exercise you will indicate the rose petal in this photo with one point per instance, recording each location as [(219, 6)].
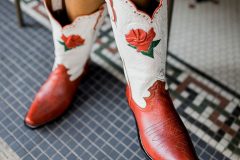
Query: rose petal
[(140, 39)]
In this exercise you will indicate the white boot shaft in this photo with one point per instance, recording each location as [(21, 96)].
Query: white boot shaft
[(142, 43), (73, 42)]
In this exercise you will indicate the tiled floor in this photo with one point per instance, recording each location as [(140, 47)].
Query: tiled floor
[(208, 38), (99, 124)]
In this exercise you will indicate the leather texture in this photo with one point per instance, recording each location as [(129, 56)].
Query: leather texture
[(73, 44), (53, 98), (161, 131)]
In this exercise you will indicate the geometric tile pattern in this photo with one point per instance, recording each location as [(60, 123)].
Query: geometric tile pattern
[(213, 113), (99, 124)]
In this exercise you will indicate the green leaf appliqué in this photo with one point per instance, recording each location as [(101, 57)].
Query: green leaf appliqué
[(65, 47), (150, 52)]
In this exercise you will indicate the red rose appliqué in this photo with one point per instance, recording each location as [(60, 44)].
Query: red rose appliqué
[(142, 41), (71, 41)]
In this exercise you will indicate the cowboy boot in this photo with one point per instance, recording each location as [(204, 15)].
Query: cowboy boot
[(73, 44), (142, 42)]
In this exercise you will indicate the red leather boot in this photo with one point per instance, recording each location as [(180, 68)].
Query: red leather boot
[(142, 42), (73, 44)]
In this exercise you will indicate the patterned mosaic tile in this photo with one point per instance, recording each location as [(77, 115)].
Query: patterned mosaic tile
[(100, 126)]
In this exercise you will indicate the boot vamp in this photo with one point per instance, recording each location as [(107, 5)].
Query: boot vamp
[(162, 133), (53, 98)]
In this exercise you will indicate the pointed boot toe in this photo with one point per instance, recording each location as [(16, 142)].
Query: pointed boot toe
[(53, 98)]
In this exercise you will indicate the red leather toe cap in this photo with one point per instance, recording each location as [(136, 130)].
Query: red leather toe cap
[(162, 133), (53, 98)]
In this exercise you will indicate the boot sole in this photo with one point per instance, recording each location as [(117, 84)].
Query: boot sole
[(31, 126), (42, 125)]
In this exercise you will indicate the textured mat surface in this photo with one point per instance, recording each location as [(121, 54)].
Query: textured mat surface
[(99, 124)]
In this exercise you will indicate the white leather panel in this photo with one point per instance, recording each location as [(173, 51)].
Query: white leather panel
[(141, 71), (85, 26)]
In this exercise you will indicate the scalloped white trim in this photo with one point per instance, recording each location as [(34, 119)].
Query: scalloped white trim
[(141, 71), (87, 27)]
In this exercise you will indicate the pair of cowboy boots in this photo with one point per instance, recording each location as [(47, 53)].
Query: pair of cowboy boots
[(142, 42)]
